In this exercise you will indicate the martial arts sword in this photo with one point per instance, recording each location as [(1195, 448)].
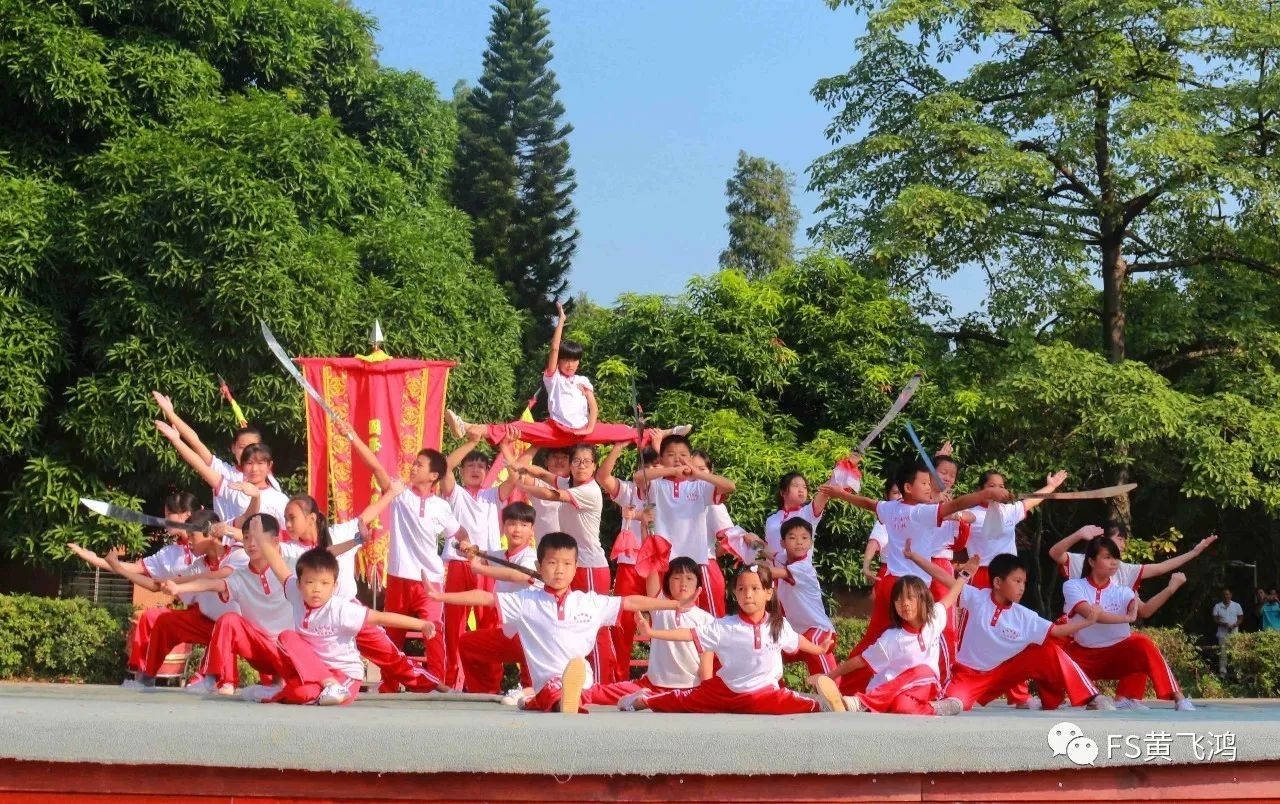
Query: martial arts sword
[(502, 562), (898, 404), (1087, 494), (287, 362), (924, 456), (127, 515)]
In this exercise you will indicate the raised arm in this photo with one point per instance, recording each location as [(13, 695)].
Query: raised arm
[(508, 486), (380, 472), (836, 493), (389, 493), (1051, 484), (207, 473), (1171, 564), (553, 357), (937, 573), (452, 461), (188, 435), (271, 552), (1149, 607), (604, 474), (1058, 552)]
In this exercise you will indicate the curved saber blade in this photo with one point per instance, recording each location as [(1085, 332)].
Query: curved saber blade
[(287, 362), (1087, 494), (904, 396), (128, 515), (502, 562)]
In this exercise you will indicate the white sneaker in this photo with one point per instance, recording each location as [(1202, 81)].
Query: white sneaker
[(948, 707), (512, 696), (204, 686), (853, 703), (1032, 703), (1131, 705), (140, 683), (627, 703), (456, 425), (682, 429), (333, 694), (1101, 703), (260, 693), (1185, 705)]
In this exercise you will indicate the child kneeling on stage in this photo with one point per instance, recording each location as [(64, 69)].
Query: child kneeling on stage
[(749, 645), (557, 627), (319, 659)]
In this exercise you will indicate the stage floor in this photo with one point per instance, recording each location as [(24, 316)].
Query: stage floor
[(418, 734)]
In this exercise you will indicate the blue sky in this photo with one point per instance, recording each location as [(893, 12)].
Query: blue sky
[(662, 96)]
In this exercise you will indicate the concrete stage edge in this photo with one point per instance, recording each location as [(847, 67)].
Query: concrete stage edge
[(89, 744)]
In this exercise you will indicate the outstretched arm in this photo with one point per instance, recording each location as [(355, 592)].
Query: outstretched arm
[(645, 631), (473, 597), (481, 567), (388, 620), (95, 560), (643, 603), (1149, 607), (553, 358), (834, 492), (723, 485), (1171, 564), (948, 507), (817, 649), (207, 473), (197, 583), (136, 577), (1058, 552), (374, 510), (1051, 484), (184, 430), (1073, 625)]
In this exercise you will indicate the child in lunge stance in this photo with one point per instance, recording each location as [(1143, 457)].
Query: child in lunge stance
[(800, 594), (558, 626), (749, 646), (905, 658)]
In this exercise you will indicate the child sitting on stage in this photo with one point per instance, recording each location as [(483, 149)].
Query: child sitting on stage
[(558, 626), (571, 406), (749, 645), (905, 658)]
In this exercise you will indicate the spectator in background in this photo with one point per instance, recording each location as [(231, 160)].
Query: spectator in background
[(1269, 612), (1227, 615)]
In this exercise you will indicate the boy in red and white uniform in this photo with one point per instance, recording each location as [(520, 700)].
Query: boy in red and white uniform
[(571, 406), (749, 646), (681, 495), (800, 594), (419, 519), (476, 509), (318, 657), (485, 650), (912, 518), (1003, 643), (994, 530), (558, 626), (793, 501), (582, 503), (1108, 648)]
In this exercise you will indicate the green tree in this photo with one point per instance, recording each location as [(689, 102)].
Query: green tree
[(762, 219), (1098, 140), (513, 175), (172, 175)]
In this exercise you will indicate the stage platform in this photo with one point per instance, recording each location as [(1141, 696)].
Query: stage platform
[(85, 743)]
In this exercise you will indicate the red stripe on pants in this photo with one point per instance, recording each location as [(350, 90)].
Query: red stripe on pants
[(596, 579), (1057, 676), (140, 635), (305, 673), (711, 595), (172, 628), (626, 582), (551, 434), (911, 693), (374, 645), (459, 577), (1135, 654), (483, 654), (408, 597), (233, 636), (817, 664), (713, 696)]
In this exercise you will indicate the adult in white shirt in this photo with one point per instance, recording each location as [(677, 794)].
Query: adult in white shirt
[(1227, 615)]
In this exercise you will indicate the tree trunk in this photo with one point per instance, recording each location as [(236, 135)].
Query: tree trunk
[(1114, 274)]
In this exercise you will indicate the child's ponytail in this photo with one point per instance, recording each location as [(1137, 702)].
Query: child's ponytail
[(309, 506)]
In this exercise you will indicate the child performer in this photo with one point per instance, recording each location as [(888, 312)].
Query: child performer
[(793, 501), (167, 562), (681, 495), (906, 657), (241, 499), (1005, 643), (310, 528), (262, 611), (1004, 541), (876, 541), (913, 517), (800, 595), (558, 626), (547, 512), (418, 519), (485, 650), (626, 549), (723, 538), (749, 646), (1071, 565), (244, 437), (476, 509), (1108, 648), (582, 503), (317, 656)]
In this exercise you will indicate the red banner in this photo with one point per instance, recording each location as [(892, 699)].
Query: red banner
[(397, 408)]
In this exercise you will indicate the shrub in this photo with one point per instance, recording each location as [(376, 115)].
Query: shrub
[(1186, 661), (1255, 659), (70, 640)]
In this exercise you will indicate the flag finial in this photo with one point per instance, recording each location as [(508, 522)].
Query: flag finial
[(375, 335)]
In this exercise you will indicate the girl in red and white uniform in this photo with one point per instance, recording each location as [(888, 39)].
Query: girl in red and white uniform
[(905, 658), (994, 530), (800, 594), (914, 518), (238, 500), (1109, 649), (793, 501), (626, 550), (749, 645), (722, 534)]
